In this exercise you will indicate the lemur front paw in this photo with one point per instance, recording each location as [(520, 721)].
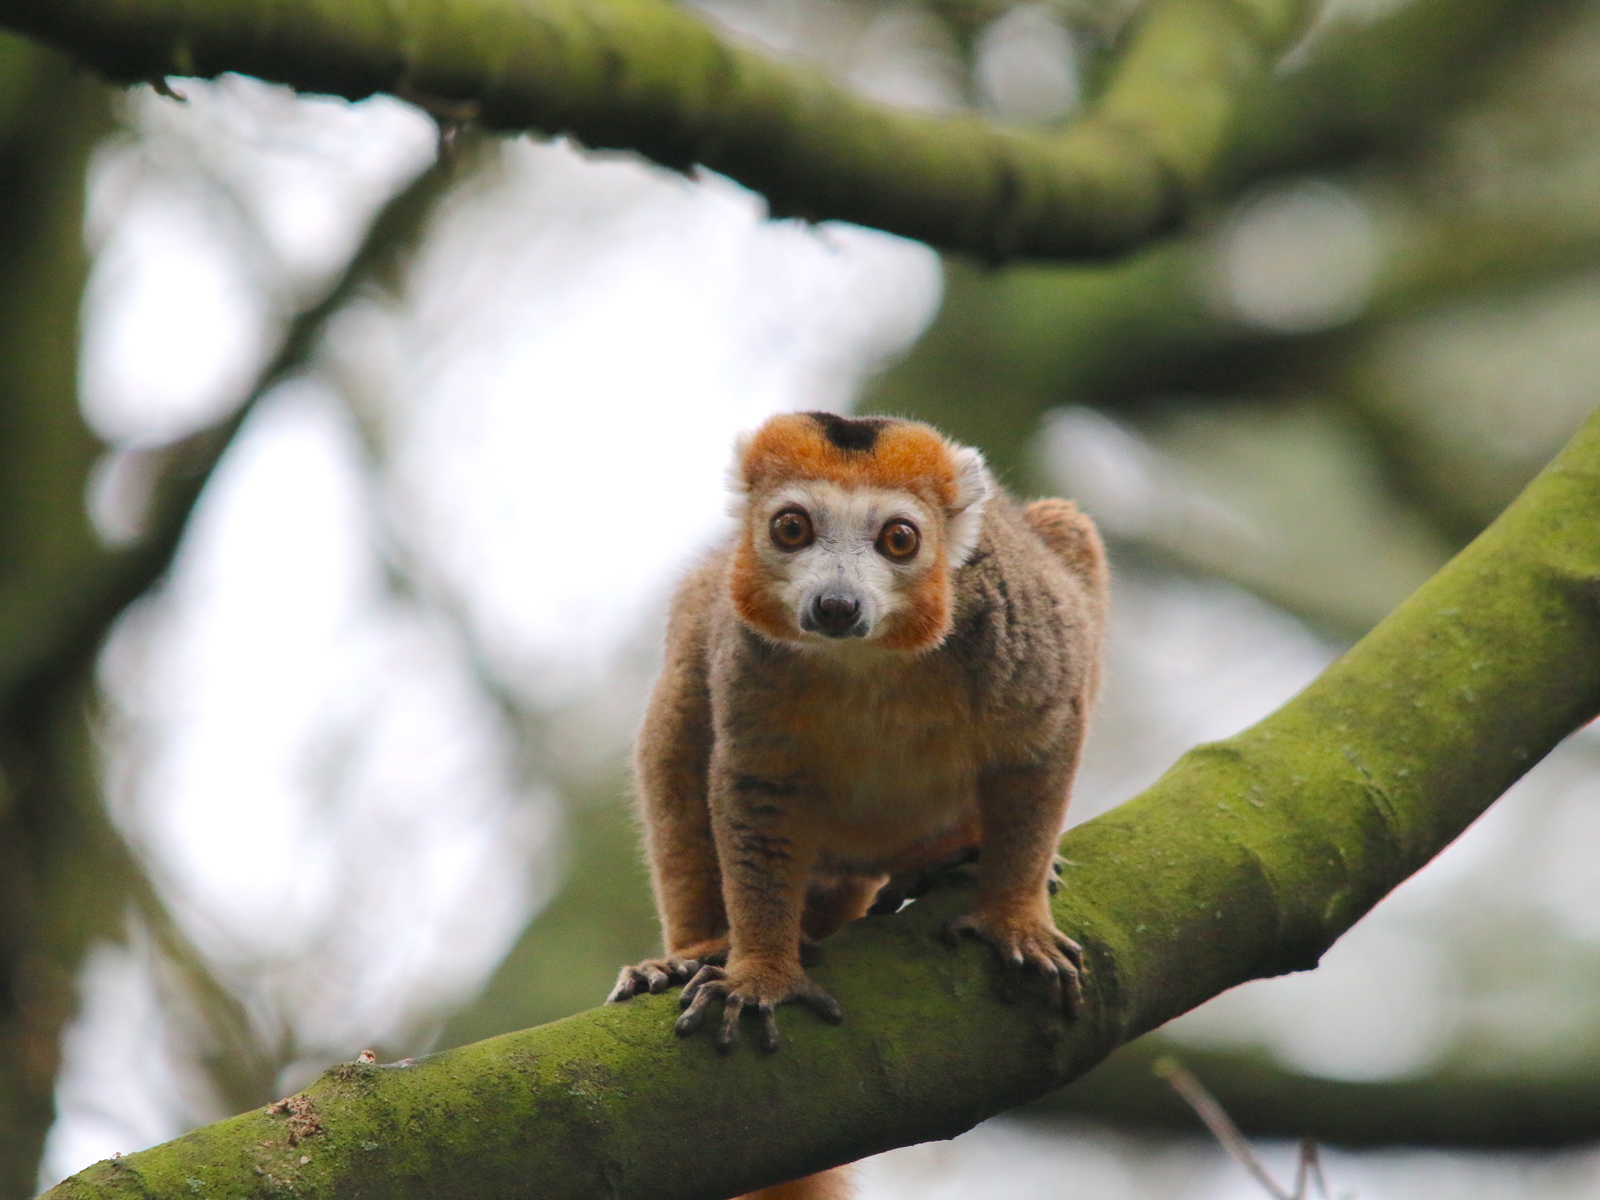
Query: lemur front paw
[(1023, 940), (658, 974), (761, 986)]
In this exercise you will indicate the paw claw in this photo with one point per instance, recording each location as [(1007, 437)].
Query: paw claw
[(761, 990), (703, 978), (769, 1027), (653, 976), (1027, 943)]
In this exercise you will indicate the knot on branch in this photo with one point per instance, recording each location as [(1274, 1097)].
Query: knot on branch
[(302, 1114)]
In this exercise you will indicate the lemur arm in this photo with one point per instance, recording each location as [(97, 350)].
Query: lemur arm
[(670, 770), (674, 756), (767, 850)]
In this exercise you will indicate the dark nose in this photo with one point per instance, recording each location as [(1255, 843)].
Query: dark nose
[(835, 615)]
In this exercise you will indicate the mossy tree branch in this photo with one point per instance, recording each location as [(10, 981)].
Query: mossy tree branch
[(647, 76), (1249, 858)]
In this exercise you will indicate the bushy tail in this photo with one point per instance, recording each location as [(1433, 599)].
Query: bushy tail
[(1073, 538), (826, 1185)]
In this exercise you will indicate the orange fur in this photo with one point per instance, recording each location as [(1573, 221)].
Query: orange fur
[(752, 596), (923, 623), (825, 1185), (907, 456)]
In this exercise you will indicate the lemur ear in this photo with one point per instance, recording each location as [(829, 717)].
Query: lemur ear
[(738, 486), (974, 486)]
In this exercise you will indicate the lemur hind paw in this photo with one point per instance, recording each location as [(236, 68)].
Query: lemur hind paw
[(658, 974), (1025, 942), (908, 885), (761, 989)]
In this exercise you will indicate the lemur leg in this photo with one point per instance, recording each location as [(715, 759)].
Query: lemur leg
[(671, 779), (1022, 809), (767, 856)]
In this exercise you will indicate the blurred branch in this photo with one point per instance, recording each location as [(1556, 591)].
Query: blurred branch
[(241, 1067), (647, 76), (57, 884), (1270, 1101), (1378, 86), (1247, 859), (45, 621), (1007, 345), (66, 876)]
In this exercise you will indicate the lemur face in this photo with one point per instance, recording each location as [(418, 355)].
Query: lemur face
[(851, 530)]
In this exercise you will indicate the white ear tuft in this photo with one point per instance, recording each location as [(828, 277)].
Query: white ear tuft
[(974, 486), (738, 486)]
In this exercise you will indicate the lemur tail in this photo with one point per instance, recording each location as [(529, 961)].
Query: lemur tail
[(826, 1185)]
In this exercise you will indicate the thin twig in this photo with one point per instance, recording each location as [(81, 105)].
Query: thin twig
[(1216, 1119)]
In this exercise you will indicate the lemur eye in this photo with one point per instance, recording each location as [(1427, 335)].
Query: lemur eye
[(791, 530), (899, 540)]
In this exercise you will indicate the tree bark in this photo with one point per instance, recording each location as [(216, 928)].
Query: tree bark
[(1247, 859), (647, 76)]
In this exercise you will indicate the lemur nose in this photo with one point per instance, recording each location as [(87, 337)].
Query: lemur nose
[(836, 614)]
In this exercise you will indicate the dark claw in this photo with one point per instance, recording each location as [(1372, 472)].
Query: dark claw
[(697, 996), (655, 976), (769, 1028), (694, 1016), (732, 1006), (707, 974), (1072, 1001), (825, 1006), (623, 990)]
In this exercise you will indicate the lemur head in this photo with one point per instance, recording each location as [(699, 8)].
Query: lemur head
[(852, 528)]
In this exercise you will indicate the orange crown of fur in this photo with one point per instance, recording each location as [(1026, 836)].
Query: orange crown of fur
[(853, 452)]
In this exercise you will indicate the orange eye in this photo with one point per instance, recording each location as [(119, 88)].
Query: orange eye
[(791, 529), (899, 541)]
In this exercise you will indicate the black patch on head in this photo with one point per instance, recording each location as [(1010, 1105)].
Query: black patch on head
[(849, 433)]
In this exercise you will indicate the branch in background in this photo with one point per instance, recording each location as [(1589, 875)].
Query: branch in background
[(644, 75), (1247, 859), (66, 876), (243, 1070), (1451, 1108), (45, 621), (54, 890), (1035, 336)]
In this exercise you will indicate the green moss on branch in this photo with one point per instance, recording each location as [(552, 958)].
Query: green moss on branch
[(1247, 859), (647, 76)]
